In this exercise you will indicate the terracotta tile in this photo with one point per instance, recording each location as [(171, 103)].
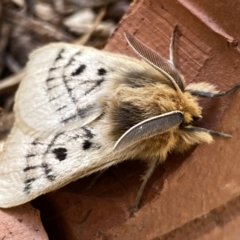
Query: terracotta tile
[(22, 222)]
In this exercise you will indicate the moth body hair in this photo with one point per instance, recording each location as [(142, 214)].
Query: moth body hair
[(79, 110)]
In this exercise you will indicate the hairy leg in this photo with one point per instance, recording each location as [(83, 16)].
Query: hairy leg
[(147, 175)]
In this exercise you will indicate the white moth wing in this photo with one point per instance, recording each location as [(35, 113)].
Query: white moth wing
[(64, 85), (33, 166), (57, 136)]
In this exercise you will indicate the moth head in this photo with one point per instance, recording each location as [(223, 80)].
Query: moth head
[(174, 128)]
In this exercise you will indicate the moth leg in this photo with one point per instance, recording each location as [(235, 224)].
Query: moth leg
[(147, 175), (212, 94), (171, 47), (98, 175)]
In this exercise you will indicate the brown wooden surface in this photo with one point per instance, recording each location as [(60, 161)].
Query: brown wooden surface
[(191, 196)]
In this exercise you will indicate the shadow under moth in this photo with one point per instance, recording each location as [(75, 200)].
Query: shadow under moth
[(79, 110)]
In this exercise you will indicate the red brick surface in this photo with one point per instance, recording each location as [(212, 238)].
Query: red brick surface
[(21, 222), (192, 196), (186, 186), (221, 223)]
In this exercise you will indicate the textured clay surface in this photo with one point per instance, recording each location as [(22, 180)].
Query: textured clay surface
[(21, 222), (194, 195)]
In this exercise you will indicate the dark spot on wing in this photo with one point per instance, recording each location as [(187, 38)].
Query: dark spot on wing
[(29, 180), (71, 118), (53, 69), (36, 142), (97, 84), (79, 70), (60, 153), (28, 184), (51, 177), (53, 87), (102, 71), (86, 144), (47, 171), (50, 79), (46, 168), (29, 168), (59, 56), (59, 109), (30, 155), (87, 133)]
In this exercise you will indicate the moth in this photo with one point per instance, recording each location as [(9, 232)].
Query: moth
[(79, 110)]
